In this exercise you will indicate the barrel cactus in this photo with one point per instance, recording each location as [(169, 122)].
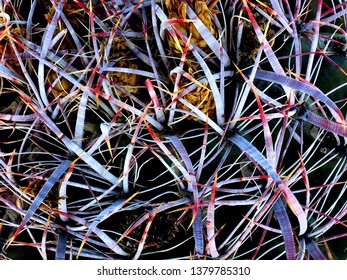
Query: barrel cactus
[(173, 129)]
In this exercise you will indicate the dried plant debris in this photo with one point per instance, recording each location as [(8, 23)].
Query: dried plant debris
[(173, 129)]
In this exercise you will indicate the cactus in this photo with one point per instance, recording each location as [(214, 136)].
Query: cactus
[(173, 129)]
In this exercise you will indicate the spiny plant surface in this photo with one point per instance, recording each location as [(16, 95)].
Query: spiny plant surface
[(173, 129)]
